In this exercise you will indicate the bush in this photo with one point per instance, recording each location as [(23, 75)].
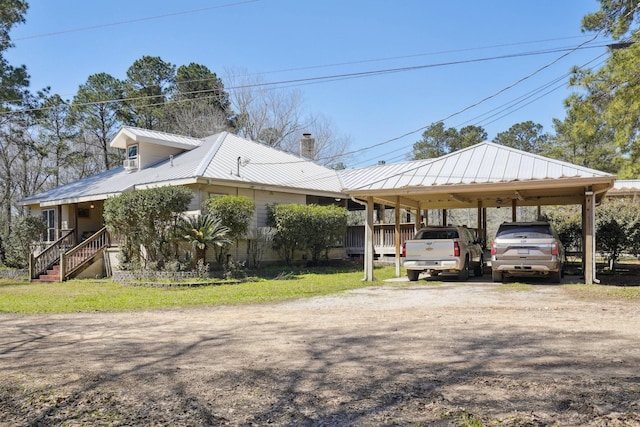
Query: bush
[(309, 229), (235, 213), (146, 219), (618, 229), (567, 221), (25, 234)]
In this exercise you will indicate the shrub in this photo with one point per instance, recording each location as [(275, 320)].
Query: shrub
[(310, 229), (146, 219), (235, 213), (618, 229), (567, 221), (25, 234), (200, 232)]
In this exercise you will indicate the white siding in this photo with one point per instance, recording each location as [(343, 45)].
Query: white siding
[(265, 198), (150, 154)]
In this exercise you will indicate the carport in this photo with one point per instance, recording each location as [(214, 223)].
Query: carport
[(481, 176)]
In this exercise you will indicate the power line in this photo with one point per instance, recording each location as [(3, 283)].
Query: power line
[(310, 80), (493, 95), (131, 21)]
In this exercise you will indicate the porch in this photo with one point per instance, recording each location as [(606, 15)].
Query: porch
[(384, 238)]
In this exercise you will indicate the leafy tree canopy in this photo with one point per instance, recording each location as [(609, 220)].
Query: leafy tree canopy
[(13, 80), (526, 136), (605, 112), (437, 140), (614, 18)]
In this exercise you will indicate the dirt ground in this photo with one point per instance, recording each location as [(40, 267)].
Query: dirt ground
[(400, 354)]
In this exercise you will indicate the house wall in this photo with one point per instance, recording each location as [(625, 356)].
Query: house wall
[(90, 219), (67, 217), (262, 199), (150, 154)]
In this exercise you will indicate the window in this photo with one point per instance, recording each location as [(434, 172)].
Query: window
[(132, 152), (437, 234), (50, 221), (131, 162)]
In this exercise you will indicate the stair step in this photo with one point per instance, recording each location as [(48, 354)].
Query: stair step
[(47, 278)]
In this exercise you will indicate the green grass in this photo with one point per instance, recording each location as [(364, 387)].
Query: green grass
[(104, 295), (516, 286), (603, 292)]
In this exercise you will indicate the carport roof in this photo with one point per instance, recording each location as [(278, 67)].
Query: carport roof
[(489, 173)]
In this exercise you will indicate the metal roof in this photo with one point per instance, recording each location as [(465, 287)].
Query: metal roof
[(216, 159), (627, 184), (486, 172), (152, 136), (486, 162), (489, 173), (625, 188)]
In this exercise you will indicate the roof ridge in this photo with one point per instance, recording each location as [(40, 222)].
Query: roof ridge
[(160, 132), (211, 153)]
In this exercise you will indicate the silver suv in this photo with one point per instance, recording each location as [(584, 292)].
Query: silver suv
[(525, 249)]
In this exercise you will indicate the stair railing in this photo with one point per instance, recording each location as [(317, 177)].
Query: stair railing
[(75, 258), (51, 255)]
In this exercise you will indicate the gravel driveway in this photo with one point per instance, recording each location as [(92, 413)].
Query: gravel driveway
[(400, 354)]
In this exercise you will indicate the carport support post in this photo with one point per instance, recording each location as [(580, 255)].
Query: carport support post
[(589, 237), (368, 242), (397, 235), (514, 210)]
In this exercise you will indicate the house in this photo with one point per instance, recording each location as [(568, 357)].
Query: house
[(221, 164), (478, 177)]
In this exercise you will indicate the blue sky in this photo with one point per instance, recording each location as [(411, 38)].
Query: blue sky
[(450, 43)]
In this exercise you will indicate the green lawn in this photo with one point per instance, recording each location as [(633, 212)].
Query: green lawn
[(104, 295)]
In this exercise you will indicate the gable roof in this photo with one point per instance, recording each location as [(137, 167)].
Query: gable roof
[(215, 160), (134, 134), (486, 172), (482, 163)]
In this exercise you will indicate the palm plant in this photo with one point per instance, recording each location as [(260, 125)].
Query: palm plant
[(202, 231)]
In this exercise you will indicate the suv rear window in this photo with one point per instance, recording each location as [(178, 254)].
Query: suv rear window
[(514, 231), (437, 234)]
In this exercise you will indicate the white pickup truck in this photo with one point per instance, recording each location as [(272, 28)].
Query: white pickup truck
[(443, 249)]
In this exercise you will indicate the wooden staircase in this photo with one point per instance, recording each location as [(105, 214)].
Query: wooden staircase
[(51, 275), (56, 263)]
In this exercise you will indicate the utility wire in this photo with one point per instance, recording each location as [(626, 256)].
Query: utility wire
[(308, 80), (491, 96), (131, 21)]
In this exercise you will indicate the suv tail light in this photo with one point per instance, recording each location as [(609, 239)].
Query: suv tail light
[(404, 249), (554, 248), (494, 248), (456, 249)]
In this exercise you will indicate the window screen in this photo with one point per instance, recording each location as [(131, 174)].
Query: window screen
[(518, 231), (437, 234)]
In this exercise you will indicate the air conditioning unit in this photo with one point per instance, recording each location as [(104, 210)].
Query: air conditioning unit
[(130, 164)]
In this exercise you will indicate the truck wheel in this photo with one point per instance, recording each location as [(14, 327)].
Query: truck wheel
[(413, 275), (479, 270), (464, 273), (496, 276), (555, 276)]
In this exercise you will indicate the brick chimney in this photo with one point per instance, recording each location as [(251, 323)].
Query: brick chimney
[(307, 146)]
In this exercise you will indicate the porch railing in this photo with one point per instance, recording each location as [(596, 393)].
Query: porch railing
[(51, 255), (384, 238), (78, 256)]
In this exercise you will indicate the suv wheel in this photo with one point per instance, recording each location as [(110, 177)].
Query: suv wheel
[(555, 276), (464, 273), (496, 276), (479, 270)]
